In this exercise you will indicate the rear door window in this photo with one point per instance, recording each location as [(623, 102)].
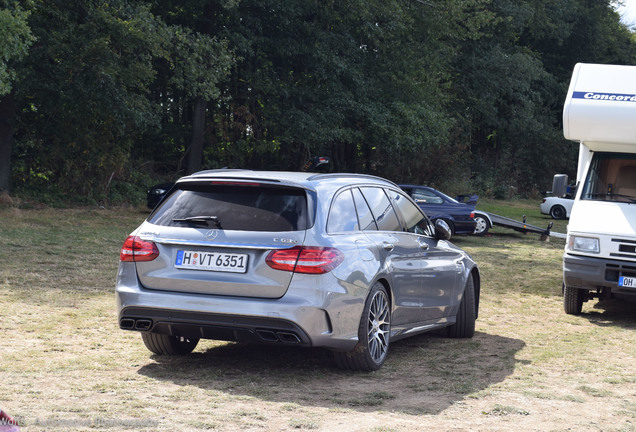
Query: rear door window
[(234, 207), (382, 209), (342, 216), (367, 223)]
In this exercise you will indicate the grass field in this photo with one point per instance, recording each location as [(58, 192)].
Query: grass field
[(66, 366)]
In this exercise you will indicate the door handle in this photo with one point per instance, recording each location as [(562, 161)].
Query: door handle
[(424, 246), (387, 246)]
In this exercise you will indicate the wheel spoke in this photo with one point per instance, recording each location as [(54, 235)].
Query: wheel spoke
[(378, 327)]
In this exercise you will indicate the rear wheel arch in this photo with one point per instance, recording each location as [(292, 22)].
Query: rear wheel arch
[(482, 225), (557, 211), (388, 289), (374, 331)]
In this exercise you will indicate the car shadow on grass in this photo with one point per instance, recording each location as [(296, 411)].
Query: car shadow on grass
[(611, 313), (423, 375)]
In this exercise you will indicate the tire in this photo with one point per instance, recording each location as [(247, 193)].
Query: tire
[(573, 299), (558, 212), (168, 345), (373, 334), (464, 327), (482, 226)]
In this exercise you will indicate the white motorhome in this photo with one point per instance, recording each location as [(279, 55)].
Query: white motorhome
[(600, 253)]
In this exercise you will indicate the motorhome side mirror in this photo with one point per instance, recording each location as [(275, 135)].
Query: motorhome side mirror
[(442, 230)]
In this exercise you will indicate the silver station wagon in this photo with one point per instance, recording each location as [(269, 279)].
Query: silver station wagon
[(345, 262)]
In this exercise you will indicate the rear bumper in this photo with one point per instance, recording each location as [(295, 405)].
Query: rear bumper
[(213, 326), (310, 317), (597, 274)]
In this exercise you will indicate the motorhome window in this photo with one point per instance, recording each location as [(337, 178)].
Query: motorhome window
[(611, 177)]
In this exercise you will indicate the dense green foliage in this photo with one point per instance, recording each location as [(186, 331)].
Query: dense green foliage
[(100, 99)]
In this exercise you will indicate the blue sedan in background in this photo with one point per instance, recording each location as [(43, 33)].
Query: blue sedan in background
[(460, 217)]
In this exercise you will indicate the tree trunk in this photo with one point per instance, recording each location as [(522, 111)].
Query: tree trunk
[(196, 145), (7, 121)]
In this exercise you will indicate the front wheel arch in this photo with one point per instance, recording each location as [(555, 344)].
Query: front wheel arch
[(573, 299), (464, 326)]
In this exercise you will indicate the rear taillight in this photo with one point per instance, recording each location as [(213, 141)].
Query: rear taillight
[(472, 215), (305, 259), (136, 249)]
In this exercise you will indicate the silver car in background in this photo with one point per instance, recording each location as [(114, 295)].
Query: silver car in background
[(346, 262)]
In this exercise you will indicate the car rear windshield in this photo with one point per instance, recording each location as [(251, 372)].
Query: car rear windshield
[(234, 207)]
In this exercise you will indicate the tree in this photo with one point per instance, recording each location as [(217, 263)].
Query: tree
[(16, 38), (198, 62), (83, 93), (453, 93), (512, 83), (362, 81), (86, 88)]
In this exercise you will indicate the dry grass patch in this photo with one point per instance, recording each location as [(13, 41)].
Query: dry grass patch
[(65, 366)]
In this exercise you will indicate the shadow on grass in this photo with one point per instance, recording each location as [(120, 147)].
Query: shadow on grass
[(612, 313), (423, 375)]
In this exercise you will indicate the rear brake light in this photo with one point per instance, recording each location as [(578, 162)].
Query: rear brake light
[(304, 259), (136, 249), (235, 183), (472, 215)]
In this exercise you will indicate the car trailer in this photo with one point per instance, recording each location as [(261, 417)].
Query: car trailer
[(520, 226)]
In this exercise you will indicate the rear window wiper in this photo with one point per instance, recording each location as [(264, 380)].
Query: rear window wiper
[(207, 220)]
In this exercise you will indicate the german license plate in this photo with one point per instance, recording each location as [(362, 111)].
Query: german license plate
[(211, 261), (626, 281)]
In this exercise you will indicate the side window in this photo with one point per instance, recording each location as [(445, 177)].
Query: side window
[(382, 209), (367, 223), (415, 221), (342, 216), (426, 196)]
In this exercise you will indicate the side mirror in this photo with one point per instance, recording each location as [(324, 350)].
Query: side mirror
[(442, 230)]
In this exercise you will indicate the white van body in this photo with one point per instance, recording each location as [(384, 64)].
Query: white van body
[(600, 253)]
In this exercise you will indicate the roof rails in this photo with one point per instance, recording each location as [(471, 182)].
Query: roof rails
[(353, 175)]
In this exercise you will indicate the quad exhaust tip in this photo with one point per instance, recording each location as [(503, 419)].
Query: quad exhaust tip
[(135, 324), (278, 336), (127, 324)]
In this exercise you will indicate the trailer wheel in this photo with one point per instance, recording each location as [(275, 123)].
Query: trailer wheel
[(557, 212), (573, 299)]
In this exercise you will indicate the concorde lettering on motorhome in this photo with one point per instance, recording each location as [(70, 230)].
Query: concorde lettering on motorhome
[(600, 252)]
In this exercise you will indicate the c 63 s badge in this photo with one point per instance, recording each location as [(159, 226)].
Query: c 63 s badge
[(285, 240)]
